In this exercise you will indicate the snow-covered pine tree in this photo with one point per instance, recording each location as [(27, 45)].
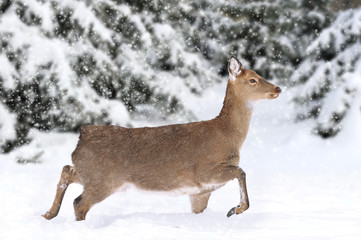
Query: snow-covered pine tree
[(272, 35), (328, 81), (69, 63)]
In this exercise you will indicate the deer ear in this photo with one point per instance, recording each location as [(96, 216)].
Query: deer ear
[(235, 68)]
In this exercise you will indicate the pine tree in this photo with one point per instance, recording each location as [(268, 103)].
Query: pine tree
[(272, 35), (328, 79)]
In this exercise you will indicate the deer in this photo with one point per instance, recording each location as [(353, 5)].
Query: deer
[(194, 158)]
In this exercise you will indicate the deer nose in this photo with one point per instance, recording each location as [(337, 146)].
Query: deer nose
[(279, 90)]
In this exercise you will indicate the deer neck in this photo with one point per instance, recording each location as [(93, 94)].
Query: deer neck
[(236, 113)]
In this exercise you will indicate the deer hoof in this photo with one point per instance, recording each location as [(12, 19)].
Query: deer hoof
[(236, 210), (47, 216)]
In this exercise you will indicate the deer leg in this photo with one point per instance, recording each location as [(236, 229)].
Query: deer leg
[(68, 176), (229, 173), (87, 199), (82, 205), (199, 202)]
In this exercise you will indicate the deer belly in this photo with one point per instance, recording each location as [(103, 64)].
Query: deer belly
[(203, 188), (186, 190)]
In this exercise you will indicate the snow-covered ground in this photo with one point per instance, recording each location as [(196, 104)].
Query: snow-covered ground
[(300, 187)]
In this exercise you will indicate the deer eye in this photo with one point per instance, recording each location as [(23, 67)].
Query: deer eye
[(252, 80)]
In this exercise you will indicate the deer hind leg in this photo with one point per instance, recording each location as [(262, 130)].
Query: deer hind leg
[(199, 202), (68, 176), (82, 205), (90, 196)]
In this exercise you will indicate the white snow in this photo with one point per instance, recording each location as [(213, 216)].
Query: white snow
[(64, 186), (300, 187), (87, 17), (7, 72), (41, 9), (7, 128), (164, 31), (347, 22)]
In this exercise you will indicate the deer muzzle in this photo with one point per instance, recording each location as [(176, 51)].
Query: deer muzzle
[(274, 94)]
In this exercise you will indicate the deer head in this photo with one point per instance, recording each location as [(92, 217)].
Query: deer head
[(249, 84)]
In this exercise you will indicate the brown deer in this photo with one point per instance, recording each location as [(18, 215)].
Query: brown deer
[(194, 158)]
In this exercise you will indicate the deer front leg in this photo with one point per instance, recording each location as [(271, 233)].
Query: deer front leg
[(199, 202), (229, 173)]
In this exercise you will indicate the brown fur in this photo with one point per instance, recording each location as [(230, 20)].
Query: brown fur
[(201, 156)]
